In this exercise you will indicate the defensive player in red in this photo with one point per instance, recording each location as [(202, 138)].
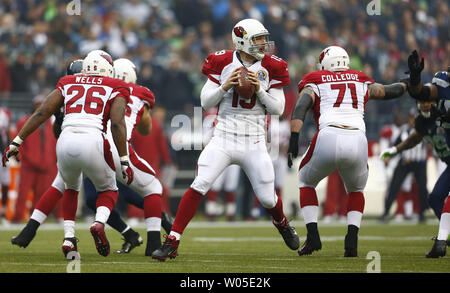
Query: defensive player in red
[(240, 132), (337, 95), (90, 100)]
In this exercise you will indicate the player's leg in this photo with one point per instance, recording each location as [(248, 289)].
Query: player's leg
[(98, 165), (420, 173), (440, 243), (44, 207), (211, 205), (400, 173), (440, 192), (258, 167), (353, 168), (212, 161), (232, 181), (317, 163)]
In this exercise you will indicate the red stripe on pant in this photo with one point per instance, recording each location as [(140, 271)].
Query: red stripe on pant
[(310, 152)]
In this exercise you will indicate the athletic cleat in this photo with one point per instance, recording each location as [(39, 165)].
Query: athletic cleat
[(132, 240), (311, 244), (69, 245), (289, 234), (101, 242), (166, 222), (26, 235), (168, 249), (438, 250), (351, 245)]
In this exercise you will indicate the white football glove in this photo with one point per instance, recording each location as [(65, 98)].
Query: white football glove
[(390, 152), (12, 150), (127, 172)]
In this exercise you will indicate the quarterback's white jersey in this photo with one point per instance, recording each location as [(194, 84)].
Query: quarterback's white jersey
[(238, 115), (87, 101), (340, 97)]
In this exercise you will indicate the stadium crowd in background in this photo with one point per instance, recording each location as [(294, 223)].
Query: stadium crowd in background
[(168, 41)]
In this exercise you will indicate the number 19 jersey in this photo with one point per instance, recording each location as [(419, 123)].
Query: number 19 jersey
[(237, 115), (340, 97)]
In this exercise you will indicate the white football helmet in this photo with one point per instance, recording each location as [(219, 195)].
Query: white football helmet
[(334, 58), (244, 34), (98, 62), (125, 70)]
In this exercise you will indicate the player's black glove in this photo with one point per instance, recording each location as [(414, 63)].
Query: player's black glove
[(415, 67), (293, 148)]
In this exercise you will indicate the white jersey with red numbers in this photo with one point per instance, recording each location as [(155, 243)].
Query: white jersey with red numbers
[(87, 101), (139, 96), (340, 97), (237, 115)]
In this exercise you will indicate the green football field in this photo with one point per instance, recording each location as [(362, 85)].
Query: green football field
[(239, 247)]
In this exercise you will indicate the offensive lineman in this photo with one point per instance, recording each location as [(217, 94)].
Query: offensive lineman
[(239, 136), (337, 96)]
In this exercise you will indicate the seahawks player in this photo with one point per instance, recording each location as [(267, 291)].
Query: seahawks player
[(433, 124)]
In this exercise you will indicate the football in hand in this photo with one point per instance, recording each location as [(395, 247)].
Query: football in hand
[(245, 88)]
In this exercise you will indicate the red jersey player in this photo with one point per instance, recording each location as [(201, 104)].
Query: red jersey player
[(337, 95)]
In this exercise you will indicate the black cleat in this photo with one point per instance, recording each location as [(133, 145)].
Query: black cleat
[(132, 240), (166, 222), (438, 249), (289, 234), (311, 244), (70, 245), (153, 242), (26, 235), (168, 249), (351, 242)]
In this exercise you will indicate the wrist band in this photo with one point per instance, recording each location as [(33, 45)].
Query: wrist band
[(17, 140)]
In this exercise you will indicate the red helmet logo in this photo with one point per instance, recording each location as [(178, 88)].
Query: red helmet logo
[(108, 58), (322, 55), (239, 32)]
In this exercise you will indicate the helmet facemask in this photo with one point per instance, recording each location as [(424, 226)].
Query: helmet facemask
[(259, 48)]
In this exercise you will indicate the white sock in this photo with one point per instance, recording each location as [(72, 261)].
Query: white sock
[(230, 209), (177, 235), (153, 224), (69, 229), (444, 226), (38, 216), (354, 218), (102, 214), (310, 214)]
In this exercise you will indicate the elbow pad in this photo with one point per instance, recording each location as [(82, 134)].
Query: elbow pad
[(423, 95)]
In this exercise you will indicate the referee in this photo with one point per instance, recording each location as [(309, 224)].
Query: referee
[(411, 161)]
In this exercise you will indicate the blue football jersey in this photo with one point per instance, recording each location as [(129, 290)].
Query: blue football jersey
[(441, 81), (435, 135)]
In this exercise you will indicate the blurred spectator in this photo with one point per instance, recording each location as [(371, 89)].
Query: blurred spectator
[(5, 80), (37, 162)]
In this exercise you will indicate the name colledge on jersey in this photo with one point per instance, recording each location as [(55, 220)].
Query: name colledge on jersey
[(340, 77), (89, 79)]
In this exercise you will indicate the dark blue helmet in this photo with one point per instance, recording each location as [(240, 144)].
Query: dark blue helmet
[(74, 67)]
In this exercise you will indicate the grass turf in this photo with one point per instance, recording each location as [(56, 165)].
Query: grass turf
[(234, 248)]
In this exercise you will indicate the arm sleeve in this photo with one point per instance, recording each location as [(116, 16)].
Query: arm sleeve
[(273, 100), (211, 94)]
